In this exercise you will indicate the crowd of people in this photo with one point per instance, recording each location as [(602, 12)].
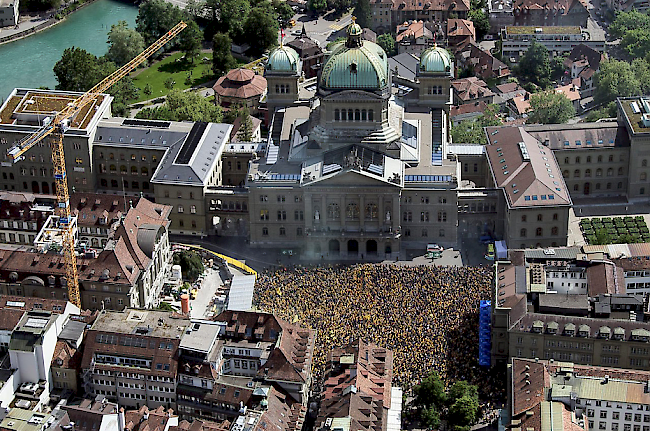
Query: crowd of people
[(428, 315)]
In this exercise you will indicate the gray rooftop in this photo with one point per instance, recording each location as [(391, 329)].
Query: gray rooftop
[(560, 253), (142, 322), (191, 161), (569, 302), (113, 132), (29, 331), (72, 330), (200, 337)]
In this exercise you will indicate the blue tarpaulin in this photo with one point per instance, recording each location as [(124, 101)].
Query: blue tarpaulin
[(502, 250), (485, 333)]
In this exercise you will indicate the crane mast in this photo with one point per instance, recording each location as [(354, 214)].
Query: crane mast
[(57, 127)]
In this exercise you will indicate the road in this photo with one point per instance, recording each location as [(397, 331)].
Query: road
[(320, 29)]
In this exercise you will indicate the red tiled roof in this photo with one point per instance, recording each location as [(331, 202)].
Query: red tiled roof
[(471, 88), (241, 86)]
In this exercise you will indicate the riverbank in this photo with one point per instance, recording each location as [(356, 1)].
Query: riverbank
[(28, 62)]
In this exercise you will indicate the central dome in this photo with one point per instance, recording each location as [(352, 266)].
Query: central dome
[(355, 64)]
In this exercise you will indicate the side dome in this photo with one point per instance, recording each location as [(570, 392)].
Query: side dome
[(283, 59), (355, 64), (435, 60)]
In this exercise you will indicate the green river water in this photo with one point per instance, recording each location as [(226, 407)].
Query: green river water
[(29, 62)]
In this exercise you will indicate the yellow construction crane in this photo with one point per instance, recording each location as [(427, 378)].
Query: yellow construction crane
[(56, 127)]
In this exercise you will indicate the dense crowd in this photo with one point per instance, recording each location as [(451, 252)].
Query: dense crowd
[(428, 315)]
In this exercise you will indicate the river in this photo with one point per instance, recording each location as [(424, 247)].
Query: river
[(28, 62)]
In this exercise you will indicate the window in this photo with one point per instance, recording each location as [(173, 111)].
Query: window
[(283, 231), (442, 216), (522, 233), (265, 231), (538, 231), (282, 198), (554, 231), (264, 214), (424, 216), (181, 209), (193, 209), (540, 217), (299, 231), (599, 172), (576, 173), (282, 215), (588, 173), (578, 159), (603, 414), (600, 159), (425, 233)]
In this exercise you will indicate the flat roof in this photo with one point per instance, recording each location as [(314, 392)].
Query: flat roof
[(240, 297), (569, 302), (162, 324), (633, 109), (200, 337), (530, 29), (72, 330)]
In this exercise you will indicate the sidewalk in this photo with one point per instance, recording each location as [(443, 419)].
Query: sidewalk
[(27, 26)]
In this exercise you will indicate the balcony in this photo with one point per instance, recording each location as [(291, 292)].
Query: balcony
[(385, 232)]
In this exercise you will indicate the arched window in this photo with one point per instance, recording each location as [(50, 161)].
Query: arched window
[(111, 156), (364, 115), (523, 218), (333, 212), (620, 171), (357, 115), (134, 170), (599, 172), (643, 176), (352, 212), (588, 173), (565, 174), (600, 159), (144, 170), (610, 172), (277, 88), (644, 163), (337, 115), (540, 217), (103, 182), (122, 169), (371, 211), (576, 173), (597, 186), (133, 157), (576, 188), (371, 115), (578, 159), (588, 159), (554, 231), (609, 186), (538, 231), (112, 168), (350, 115), (522, 233)]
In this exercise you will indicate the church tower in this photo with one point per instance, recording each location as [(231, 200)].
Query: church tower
[(282, 73), (435, 73)]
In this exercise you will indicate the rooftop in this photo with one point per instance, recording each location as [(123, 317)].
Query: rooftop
[(160, 324), (30, 330), (634, 109), (543, 30), (30, 107), (200, 337)]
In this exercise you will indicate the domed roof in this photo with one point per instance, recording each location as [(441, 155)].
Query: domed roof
[(283, 59), (355, 64), (240, 75), (435, 60)]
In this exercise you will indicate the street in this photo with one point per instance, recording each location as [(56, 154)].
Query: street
[(320, 29)]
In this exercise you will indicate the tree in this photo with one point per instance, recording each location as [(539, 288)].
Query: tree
[(124, 43), (147, 89), (535, 65), (615, 79), (636, 42), (184, 106), (232, 17), (461, 389), (431, 392), (157, 17), (387, 42), (78, 70), (606, 111), (471, 131), (641, 70), (190, 41), (191, 264), (262, 27), (339, 6), (430, 417), (550, 107), (463, 412), (165, 306), (38, 5), (557, 67), (363, 13), (626, 21), (284, 11), (317, 5), (245, 133), (481, 22), (222, 59)]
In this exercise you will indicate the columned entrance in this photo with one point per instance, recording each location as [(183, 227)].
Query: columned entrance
[(353, 247), (371, 247)]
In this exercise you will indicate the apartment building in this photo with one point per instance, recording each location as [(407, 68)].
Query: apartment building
[(537, 314), (586, 397), (558, 40), (131, 357), (387, 14)]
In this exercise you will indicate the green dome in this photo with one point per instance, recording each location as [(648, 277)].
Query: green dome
[(435, 60), (350, 66), (283, 59)]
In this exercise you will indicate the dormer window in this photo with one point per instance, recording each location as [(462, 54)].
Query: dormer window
[(353, 67)]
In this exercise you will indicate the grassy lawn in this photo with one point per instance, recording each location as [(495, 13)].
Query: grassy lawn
[(178, 70)]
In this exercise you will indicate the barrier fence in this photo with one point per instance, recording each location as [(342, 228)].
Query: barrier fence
[(229, 260)]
